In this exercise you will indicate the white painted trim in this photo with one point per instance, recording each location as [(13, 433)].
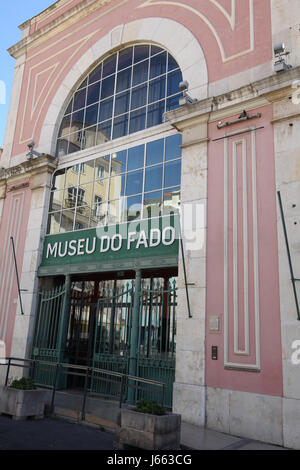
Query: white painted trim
[(8, 276), (235, 246), (245, 250), (80, 43), (255, 250), (3, 291), (147, 30), (12, 115), (230, 18), (245, 237), (225, 251), (35, 98), (227, 363), (18, 206)]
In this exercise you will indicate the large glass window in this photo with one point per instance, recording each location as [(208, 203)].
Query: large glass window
[(128, 92), (140, 182)]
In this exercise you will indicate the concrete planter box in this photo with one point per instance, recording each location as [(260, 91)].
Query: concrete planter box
[(22, 403), (150, 432)]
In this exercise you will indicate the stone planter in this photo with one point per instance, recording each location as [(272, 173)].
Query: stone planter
[(146, 431), (21, 404)]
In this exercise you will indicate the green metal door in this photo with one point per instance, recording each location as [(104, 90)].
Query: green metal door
[(157, 336), (156, 330), (48, 338), (111, 347)]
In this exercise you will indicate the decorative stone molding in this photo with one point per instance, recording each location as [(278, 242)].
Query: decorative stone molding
[(85, 8), (18, 187), (2, 190), (28, 168), (257, 94)]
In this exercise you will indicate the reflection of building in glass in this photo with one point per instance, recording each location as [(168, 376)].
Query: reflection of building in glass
[(141, 182), (79, 139)]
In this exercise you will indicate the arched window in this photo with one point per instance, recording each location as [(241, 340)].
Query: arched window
[(128, 92)]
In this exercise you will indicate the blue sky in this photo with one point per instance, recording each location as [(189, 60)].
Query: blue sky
[(13, 14)]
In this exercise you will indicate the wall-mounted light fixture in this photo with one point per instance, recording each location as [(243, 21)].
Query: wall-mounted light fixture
[(185, 99), (32, 153)]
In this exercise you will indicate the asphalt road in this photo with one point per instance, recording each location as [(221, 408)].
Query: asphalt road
[(51, 434)]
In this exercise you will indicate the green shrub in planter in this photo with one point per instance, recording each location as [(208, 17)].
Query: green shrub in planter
[(148, 426), (22, 399), (150, 406), (25, 383)]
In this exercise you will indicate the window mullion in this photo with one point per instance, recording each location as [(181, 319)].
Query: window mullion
[(130, 96), (144, 177), (164, 168), (93, 194), (114, 99), (76, 199), (98, 115), (147, 94), (107, 190)]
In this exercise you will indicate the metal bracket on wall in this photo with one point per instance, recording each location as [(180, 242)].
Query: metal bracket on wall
[(293, 279), (17, 275), (185, 277), (243, 117), (243, 131)]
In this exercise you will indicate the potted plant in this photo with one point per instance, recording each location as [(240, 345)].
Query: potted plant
[(148, 426), (22, 399)]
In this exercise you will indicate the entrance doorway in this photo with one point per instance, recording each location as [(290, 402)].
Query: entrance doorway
[(102, 323), (93, 327)]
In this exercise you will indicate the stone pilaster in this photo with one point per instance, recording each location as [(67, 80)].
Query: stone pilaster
[(189, 387), (40, 181), (286, 124)]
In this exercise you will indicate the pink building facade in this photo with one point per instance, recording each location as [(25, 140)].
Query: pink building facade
[(235, 349)]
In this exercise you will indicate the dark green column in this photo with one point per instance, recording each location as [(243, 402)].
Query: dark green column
[(134, 336), (64, 319)]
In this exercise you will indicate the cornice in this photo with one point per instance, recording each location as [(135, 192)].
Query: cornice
[(285, 117), (255, 95), (204, 140), (27, 169), (190, 114), (42, 14), (64, 21)]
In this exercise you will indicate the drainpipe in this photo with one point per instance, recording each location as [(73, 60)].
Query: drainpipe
[(134, 337)]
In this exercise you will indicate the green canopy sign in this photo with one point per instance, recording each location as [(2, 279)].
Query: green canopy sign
[(133, 240)]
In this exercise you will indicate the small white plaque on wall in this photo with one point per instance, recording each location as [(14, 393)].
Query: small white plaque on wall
[(214, 323)]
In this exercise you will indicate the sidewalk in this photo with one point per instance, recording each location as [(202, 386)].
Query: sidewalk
[(54, 434), (194, 437), (104, 413)]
